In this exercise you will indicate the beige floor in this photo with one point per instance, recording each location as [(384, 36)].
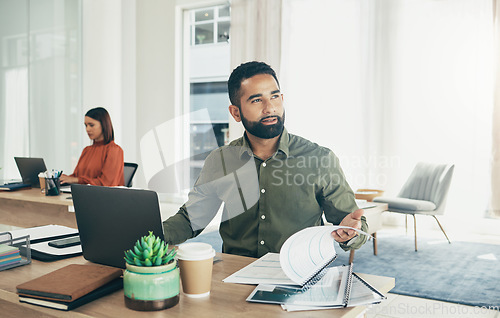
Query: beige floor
[(398, 306)]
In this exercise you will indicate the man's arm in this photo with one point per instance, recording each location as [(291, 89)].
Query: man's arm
[(201, 207), (177, 228), (340, 207)]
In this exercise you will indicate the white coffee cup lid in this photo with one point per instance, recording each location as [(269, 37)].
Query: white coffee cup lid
[(195, 251)]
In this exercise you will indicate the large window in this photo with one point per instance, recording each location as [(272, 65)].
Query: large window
[(209, 70)]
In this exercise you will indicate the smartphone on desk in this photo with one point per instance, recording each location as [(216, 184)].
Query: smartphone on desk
[(66, 242)]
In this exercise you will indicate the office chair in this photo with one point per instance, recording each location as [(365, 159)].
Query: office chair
[(424, 193), (129, 170)]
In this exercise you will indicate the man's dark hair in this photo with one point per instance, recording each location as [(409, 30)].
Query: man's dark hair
[(241, 73), (103, 117)]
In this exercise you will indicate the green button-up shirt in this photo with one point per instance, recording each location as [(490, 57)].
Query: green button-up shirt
[(265, 201)]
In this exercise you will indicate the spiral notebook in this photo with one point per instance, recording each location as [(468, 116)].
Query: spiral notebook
[(302, 260), (360, 293), (332, 290)]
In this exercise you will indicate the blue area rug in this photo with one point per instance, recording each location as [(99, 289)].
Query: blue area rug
[(461, 272)]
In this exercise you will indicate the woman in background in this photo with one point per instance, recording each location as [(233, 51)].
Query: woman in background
[(102, 162)]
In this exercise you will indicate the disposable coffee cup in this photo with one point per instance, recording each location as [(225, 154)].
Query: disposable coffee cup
[(195, 263), (42, 184)]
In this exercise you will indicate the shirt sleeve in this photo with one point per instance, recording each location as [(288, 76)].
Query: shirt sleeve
[(337, 199), (112, 170), (201, 207)]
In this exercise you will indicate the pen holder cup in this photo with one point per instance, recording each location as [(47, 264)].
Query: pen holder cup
[(52, 186)]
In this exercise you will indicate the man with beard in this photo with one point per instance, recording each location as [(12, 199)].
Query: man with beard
[(272, 183)]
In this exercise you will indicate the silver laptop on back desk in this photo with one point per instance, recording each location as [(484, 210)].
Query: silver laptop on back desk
[(110, 220)]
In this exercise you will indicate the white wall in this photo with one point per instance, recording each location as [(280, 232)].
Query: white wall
[(109, 66), (102, 59), (129, 67)]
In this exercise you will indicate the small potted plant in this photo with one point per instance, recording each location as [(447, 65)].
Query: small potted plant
[(151, 279)]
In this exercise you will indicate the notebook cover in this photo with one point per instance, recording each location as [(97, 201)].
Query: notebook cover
[(61, 305), (70, 282), (14, 186)]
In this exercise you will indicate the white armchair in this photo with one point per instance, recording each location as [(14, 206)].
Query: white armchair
[(424, 192)]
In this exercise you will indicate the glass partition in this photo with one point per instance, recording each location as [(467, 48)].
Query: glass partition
[(40, 83)]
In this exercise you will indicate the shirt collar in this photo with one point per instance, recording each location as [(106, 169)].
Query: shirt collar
[(98, 143), (283, 146)]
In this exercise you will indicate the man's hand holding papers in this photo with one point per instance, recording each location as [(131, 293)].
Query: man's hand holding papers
[(346, 230)]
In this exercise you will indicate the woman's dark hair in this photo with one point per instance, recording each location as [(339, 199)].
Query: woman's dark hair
[(102, 116), (241, 73)]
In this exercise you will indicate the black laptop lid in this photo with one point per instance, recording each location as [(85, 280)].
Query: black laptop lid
[(110, 220), (29, 168)]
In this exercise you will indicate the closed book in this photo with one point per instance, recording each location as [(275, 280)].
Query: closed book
[(70, 282), (62, 305)]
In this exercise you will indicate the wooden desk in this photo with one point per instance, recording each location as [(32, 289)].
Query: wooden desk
[(225, 300), (28, 208)]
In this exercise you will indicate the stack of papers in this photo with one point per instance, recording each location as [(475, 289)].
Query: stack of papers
[(301, 276), (9, 255), (361, 293), (40, 237)]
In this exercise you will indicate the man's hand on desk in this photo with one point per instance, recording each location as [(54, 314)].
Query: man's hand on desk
[(65, 179), (352, 220)]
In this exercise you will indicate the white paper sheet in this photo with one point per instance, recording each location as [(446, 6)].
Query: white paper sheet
[(308, 251), (265, 270), (40, 232), (45, 248)]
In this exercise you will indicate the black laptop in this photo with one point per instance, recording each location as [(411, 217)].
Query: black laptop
[(29, 168), (111, 219)]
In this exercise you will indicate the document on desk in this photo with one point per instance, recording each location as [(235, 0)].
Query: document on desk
[(331, 290), (40, 236), (265, 270), (44, 247), (361, 293), (301, 260), (44, 232)]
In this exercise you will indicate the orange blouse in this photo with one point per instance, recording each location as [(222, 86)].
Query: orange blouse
[(101, 165)]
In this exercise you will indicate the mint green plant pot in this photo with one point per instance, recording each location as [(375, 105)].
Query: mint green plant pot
[(150, 288)]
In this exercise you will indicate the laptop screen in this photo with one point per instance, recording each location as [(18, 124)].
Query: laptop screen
[(29, 168), (110, 220)]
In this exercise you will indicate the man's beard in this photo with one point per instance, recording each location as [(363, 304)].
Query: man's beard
[(260, 130)]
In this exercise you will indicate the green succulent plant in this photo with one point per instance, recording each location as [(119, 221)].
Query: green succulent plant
[(149, 251)]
